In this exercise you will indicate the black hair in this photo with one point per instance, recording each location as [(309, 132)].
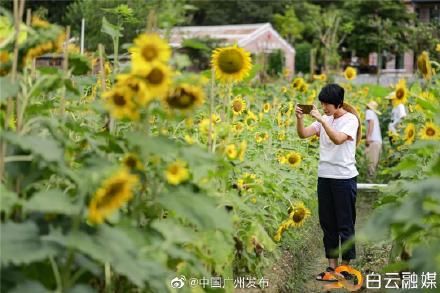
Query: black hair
[(332, 94)]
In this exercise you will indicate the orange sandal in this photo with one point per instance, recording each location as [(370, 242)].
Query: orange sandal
[(326, 276)]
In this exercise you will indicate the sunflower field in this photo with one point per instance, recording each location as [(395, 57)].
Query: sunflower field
[(124, 179)]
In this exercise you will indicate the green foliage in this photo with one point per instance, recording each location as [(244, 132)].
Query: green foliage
[(276, 63), (302, 57), (133, 14), (386, 27)]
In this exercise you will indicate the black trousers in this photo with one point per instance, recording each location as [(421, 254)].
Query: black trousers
[(337, 215)]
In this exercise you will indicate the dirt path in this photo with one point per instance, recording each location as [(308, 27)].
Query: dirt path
[(369, 257), (295, 270)]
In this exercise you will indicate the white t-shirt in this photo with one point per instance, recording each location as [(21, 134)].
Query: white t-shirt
[(375, 134), (397, 114), (338, 161)]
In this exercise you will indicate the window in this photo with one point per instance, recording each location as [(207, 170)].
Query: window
[(400, 61)]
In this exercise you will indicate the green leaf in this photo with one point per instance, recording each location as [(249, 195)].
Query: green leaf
[(81, 288), (113, 245), (29, 287), (79, 64), (8, 199), (52, 201), (46, 84), (21, 244), (110, 29), (173, 231), (7, 88), (45, 147), (152, 145), (196, 208)]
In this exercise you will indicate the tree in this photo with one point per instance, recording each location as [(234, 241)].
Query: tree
[(235, 11), (288, 25), (380, 26), (168, 13)]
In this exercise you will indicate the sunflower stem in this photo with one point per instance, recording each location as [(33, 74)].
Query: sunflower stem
[(56, 273), (211, 110)]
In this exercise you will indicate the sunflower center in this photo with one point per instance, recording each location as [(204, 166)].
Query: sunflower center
[(349, 74), (231, 61), (410, 133), (293, 159), (134, 86), (174, 170), (113, 190), (400, 93), (237, 106), (119, 100), (149, 53), (130, 162), (430, 131), (298, 216), (155, 76)]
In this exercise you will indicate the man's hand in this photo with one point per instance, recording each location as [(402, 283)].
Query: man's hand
[(315, 114), (298, 112)]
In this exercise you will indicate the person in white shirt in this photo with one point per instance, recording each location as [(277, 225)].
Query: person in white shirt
[(397, 114), (373, 138), (339, 132)]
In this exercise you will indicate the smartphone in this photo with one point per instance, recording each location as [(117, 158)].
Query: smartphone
[(306, 108)]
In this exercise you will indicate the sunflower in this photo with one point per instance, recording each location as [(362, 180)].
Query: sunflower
[(401, 93), (281, 159), (250, 120), (424, 65), (350, 73), (297, 83), (185, 97), (231, 151), (149, 48), (437, 48), (188, 139), (283, 227), (119, 101), (297, 215), (282, 135), (266, 107), (237, 127), (242, 151), (177, 172), (303, 87), (410, 133), (114, 192), (231, 64), (261, 137), (204, 126), (137, 85), (216, 118), (238, 105), (132, 162), (39, 23), (283, 89), (320, 77), (38, 50), (294, 159), (430, 131), (157, 78)]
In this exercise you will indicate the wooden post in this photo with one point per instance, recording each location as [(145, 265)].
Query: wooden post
[(65, 70), (18, 13)]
